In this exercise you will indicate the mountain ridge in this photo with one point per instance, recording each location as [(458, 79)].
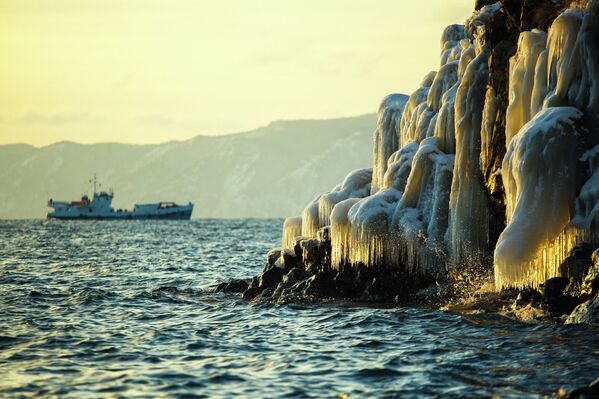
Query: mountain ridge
[(246, 174)]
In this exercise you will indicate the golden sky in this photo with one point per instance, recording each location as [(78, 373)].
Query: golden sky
[(148, 71)]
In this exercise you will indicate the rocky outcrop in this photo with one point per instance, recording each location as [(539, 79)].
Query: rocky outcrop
[(485, 175)]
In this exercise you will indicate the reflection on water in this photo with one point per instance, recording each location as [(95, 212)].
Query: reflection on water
[(109, 309)]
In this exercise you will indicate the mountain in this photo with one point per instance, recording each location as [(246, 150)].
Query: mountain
[(268, 172)]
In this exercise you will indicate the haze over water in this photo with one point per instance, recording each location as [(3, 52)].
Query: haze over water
[(123, 309)]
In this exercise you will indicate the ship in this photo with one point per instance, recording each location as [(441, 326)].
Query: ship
[(100, 208)]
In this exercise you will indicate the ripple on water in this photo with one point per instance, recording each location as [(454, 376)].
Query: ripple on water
[(109, 309)]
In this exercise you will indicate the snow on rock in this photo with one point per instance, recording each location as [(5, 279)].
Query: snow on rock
[(386, 136), (540, 171)]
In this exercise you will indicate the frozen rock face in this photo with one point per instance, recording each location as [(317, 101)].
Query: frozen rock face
[(522, 76), (549, 206), (493, 159), (540, 172), (469, 213), (386, 136)]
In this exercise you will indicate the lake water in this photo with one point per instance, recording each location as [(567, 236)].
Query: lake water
[(123, 309)]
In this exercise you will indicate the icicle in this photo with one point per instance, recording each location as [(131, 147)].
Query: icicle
[(340, 232), (292, 228), (310, 219), (386, 136)]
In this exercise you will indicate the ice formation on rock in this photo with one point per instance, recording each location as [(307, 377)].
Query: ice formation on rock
[(429, 206), (292, 228), (386, 136), (355, 185), (542, 170), (468, 219), (540, 177)]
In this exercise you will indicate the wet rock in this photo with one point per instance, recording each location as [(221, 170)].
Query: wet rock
[(591, 391), (290, 279), (312, 254), (320, 285), (577, 264), (235, 286), (295, 275), (289, 260), (528, 297), (250, 293), (273, 256), (347, 283), (587, 313), (554, 301), (385, 287), (590, 283), (270, 278)]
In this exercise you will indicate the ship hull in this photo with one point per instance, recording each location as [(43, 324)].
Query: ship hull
[(173, 215)]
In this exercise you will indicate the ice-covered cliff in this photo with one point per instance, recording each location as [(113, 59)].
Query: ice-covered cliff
[(493, 161)]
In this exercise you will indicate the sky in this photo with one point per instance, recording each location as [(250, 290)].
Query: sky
[(150, 71)]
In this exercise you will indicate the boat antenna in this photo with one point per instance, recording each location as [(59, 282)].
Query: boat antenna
[(94, 181)]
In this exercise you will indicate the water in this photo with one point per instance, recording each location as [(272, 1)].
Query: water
[(122, 309)]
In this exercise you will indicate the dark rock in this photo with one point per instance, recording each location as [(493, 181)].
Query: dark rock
[(320, 285), (347, 283), (532, 297), (590, 283), (250, 293), (255, 283), (270, 278), (591, 391), (478, 4), (236, 286), (385, 287), (577, 264), (312, 254), (587, 313), (295, 275), (554, 301), (273, 256), (297, 248), (289, 260), (324, 234)]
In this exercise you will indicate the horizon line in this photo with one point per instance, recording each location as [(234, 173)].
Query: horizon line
[(307, 119)]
